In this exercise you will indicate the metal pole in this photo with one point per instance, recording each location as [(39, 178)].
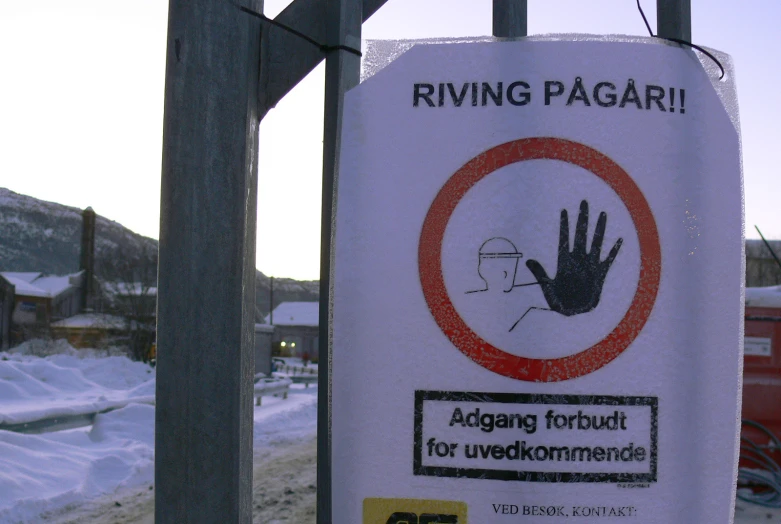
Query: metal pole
[(509, 18), (674, 19), (206, 300), (342, 72)]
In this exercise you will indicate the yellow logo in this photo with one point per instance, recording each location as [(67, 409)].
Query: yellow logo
[(413, 511)]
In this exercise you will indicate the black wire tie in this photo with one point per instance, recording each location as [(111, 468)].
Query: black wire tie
[(679, 41), (324, 48)]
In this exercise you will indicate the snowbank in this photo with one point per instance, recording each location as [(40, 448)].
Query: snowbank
[(287, 420), (43, 472), (46, 472), (32, 388), (763, 296)]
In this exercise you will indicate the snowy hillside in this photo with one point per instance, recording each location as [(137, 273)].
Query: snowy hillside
[(36, 235), (285, 290), (41, 236)]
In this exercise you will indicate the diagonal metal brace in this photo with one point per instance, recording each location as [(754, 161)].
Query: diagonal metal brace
[(286, 58)]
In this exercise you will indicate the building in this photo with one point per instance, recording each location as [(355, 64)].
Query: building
[(762, 364), (40, 300), (135, 300), (90, 330), (31, 301), (295, 328), (264, 335)]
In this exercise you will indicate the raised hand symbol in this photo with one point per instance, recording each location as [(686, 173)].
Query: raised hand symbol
[(577, 286)]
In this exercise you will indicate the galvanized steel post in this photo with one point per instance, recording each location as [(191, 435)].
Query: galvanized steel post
[(674, 19), (206, 291), (342, 72), (509, 18)]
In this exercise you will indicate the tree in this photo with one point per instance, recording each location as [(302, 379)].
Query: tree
[(128, 283)]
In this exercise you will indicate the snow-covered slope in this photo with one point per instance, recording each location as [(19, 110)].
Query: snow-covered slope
[(41, 236), (36, 235), (52, 471), (32, 388)]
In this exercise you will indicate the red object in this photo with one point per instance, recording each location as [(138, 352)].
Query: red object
[(456, 329), (762, 373)]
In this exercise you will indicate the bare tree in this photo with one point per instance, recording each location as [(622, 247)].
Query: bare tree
[(128, 282)]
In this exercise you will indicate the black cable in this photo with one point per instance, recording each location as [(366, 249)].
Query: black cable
[(324, 48), (765, 477), (647, 25), (679, 41), (767, 244)]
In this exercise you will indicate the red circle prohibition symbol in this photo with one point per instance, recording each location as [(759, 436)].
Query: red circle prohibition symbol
[(471, 344)]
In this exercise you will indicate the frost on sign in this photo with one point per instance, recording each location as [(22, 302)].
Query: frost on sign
[(525, 312), (530, 325)]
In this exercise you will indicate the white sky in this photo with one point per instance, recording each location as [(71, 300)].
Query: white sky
[(81, 105)]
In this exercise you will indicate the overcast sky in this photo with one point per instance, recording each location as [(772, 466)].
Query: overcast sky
[(81, 105)]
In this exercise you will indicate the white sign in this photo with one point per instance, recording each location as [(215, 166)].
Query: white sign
[(537, 288), (757, 346)]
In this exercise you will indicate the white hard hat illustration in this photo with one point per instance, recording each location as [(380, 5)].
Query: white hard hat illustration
[(499, 247)]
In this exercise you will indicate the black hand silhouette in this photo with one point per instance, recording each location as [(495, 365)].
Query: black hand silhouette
[(579, 275)]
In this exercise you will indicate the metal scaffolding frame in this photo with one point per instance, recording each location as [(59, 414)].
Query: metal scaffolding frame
[(226, 67)]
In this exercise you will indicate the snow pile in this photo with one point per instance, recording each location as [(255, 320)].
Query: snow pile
[(32, 388), (763, 296), (286, 420), (45, 348), (42, 472)]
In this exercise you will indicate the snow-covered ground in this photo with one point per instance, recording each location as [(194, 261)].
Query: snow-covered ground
[(297, 364), (46, 473), (40, 473), (32, 388), (80, 475)]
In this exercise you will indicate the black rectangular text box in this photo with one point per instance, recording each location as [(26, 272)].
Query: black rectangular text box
[(526, 469)]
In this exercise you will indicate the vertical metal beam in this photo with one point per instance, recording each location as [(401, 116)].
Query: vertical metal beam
[(271, 301), (674, 19), (342, 72), (509, 18), (288, 57), (87, 259), (203, 433)]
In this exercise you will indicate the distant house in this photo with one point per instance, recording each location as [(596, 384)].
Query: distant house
[(136, 303), (131, 299), (42, 299), (90, 330), (296, 328)]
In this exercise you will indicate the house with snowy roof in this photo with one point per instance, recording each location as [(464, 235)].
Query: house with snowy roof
[(39, 300), (295, 328), (90, 330)]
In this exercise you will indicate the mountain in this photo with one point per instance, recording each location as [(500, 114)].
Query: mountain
[(285, 290), (36, 235)]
